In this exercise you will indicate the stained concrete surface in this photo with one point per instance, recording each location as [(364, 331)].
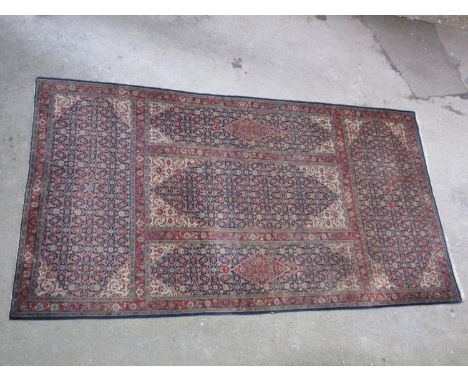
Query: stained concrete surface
[(327, 59), (460, 22), (415, 49), (455, 42)]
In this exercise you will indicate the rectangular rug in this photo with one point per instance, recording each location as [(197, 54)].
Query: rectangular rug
[(145, 201)]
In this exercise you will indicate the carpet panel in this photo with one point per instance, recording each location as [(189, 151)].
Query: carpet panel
[(144, 201)]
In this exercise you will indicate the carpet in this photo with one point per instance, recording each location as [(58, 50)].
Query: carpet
[(145, 201)]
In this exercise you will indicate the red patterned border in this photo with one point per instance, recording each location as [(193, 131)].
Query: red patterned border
[(22, 307)]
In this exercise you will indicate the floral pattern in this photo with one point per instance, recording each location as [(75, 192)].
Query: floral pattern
[(242, 269), (149, 202), (85, 249), (202, 126), (226, 194)]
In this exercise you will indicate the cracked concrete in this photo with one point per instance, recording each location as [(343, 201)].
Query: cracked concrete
[(416, 52), (459, 22), (456, 45), (326, 59)]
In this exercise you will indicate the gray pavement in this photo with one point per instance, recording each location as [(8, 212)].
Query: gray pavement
[(381, 62)]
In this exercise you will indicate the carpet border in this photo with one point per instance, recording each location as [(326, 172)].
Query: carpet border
[(13, 315), (436, 209), (22, 235)]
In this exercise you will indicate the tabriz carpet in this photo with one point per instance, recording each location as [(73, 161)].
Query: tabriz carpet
[(145, 201)]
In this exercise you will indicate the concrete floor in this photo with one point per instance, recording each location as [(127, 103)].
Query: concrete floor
[(372, 61)]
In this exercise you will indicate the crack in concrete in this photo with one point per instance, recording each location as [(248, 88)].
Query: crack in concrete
[(453, 61), (459, 95), (392, 65), (387, 57), (450, 108)]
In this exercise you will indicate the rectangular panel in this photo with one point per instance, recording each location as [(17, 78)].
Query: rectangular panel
[(145, 201), (220, 194), (402, 246), (85, 221), (274, 129), (207, 269)]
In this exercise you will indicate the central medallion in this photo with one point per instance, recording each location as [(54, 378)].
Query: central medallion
[(251, 131), (207, 193), (260, 269)]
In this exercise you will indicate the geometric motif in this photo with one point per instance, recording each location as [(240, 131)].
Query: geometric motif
[(243, 269), (85, 248), (221, 127), (237, 194), (392, 207), (145, 201)]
